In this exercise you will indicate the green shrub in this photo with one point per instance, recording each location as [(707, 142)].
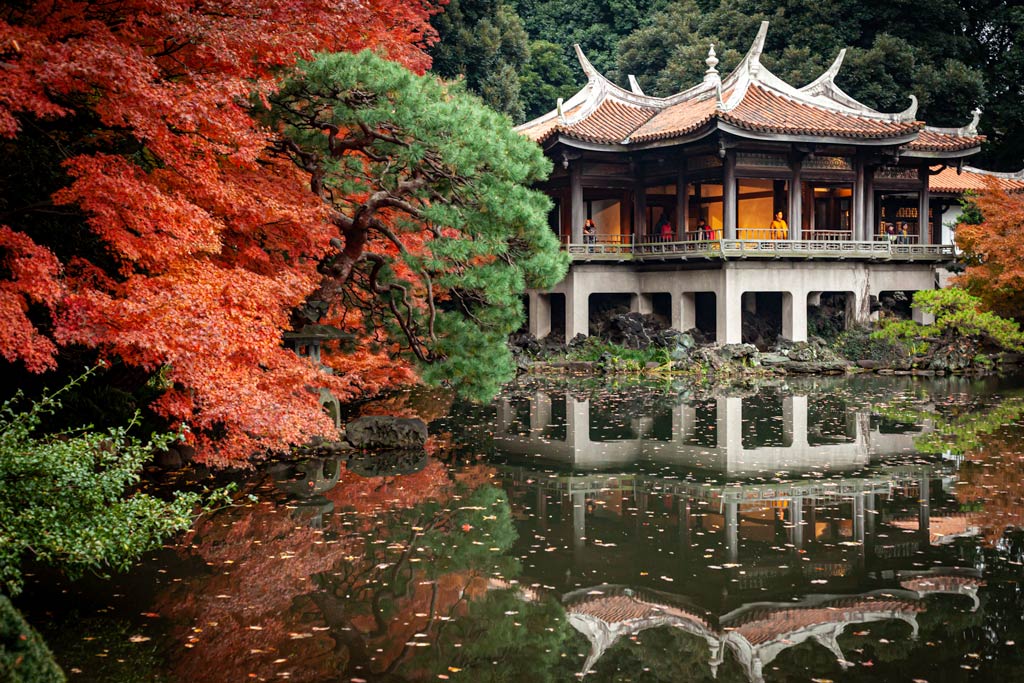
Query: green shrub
[(65, 498), (24, 657), (957, 314)]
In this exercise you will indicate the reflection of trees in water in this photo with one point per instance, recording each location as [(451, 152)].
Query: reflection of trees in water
[(403, 560)]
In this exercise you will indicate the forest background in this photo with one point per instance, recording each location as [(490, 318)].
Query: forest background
[(953, 55)]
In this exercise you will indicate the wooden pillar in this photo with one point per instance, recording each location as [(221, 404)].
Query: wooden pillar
[(796, 201), (639, 211), (579, 210), (729, 199), (682, 207), (857, 205), (923, 224), (870, 222)]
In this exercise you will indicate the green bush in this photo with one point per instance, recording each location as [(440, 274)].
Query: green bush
[(957, 315), (24, 657), (617, 357), (66, 500), (861, 344)]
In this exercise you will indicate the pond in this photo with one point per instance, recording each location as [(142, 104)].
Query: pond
[(830, 529)]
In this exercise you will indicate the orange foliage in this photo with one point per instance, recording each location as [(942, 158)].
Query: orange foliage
[(197, 243), (995, 250)]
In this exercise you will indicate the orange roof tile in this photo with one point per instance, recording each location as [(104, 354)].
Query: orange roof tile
[(974, 180), (931, 140), (764, 111), (679, 119)]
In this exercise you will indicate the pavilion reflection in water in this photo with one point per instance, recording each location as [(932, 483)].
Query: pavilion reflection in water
[(740, 500)]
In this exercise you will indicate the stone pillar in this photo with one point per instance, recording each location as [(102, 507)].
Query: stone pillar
[(924, 226), (682, 223), (684, 311), (729, 204), (579, 209), (794, 316), (732, 531), (799, 408), (579, 520), (640, 232), (729, 316), (857, 205), (540, 412), (920, 317), (540, 315), (856, 310), (577, 423), (729, 425), (577, 311), (750, 302), (796, 201), (641, 303)]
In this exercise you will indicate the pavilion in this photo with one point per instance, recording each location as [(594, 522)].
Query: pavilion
[(716, 162)]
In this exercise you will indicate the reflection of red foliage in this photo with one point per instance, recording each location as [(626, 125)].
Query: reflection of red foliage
[(993, 476), (371, 495), (258, 601)]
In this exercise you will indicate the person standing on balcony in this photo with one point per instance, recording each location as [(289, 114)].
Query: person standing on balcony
[(589, 233), (703, 232), (664, 230), (779, 230)]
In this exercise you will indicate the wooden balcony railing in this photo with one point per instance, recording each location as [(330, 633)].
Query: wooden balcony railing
[(754, 243)]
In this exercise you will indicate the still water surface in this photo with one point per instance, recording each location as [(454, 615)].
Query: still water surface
[(844, 529)]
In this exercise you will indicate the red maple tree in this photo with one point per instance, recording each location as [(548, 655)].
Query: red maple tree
[(994, 251), (143, 216)]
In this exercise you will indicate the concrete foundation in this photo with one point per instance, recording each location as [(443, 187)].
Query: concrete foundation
[(800, 283)]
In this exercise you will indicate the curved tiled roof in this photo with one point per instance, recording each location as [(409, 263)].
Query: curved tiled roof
[(975, 180), (931, 140), (764, 111), (751, 99)]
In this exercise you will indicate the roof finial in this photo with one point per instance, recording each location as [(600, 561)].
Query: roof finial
[(972, 127), (561, 114), (711, 76)]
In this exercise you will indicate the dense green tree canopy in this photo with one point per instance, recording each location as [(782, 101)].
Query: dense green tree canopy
[(484, 42), (428, 188)]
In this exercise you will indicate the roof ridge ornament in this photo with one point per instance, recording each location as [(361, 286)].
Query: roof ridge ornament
[(827, 79), (910, 112), (558, 107), (754, 56), (972, 127), (634, 86), (711, 76)]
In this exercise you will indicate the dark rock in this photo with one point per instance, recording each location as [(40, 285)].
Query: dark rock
[(576, 342), (919, 372), (169, 459), (869, 364), (188, 454), (770, 359), (737, 351), (386, 432)]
